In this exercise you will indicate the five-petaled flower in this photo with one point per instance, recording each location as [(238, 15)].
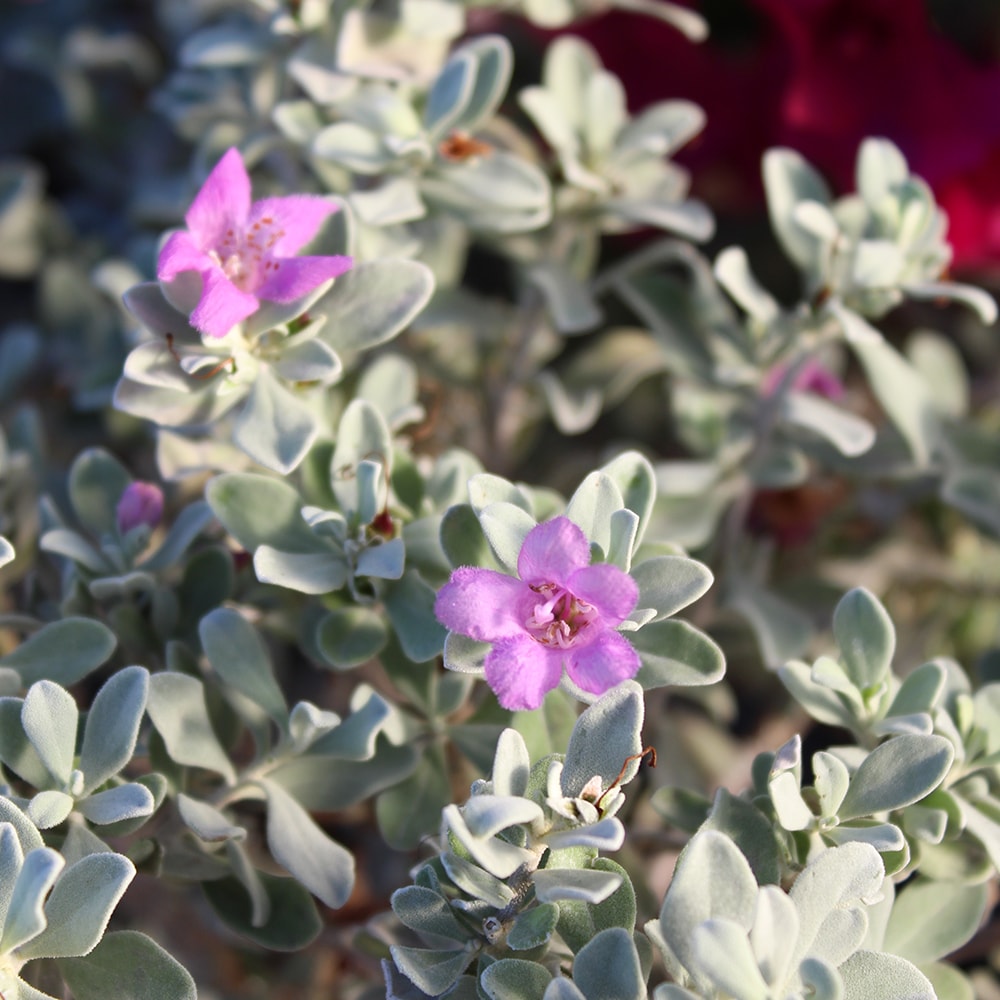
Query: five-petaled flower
[(245, 252), (562, 612)]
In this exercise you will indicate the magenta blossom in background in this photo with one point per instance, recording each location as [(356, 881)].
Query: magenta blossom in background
[(813, 376), (141, 503), (245, 253), (561, 613)]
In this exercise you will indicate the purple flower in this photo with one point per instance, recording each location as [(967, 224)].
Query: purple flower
[(562, 612), (245, 252), (813, 376), (141, 503)]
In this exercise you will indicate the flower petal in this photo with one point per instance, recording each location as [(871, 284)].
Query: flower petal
[(481, 603), (292, 277), (222, 304), (181, 253), (603, 663), (222, 203), (297, 217), (522, 671), (609, 589), (552, 552)]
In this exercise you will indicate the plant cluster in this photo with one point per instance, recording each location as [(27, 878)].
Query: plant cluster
[(348, 460)]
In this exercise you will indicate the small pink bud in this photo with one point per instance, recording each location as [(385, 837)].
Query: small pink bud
[(141, 503)]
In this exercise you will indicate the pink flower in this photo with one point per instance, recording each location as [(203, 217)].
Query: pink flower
[(245, 252), (562, 612), (141, 503), (813, 376)]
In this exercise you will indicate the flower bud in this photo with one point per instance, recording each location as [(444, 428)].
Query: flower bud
[(141, 503)]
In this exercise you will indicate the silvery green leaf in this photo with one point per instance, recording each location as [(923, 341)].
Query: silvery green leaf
[(409, 603), (113, 726), (298, 120), (849, 434), (485, 489), (866, 637), (395, 201), (49, 808), (606, 835), (16, 749), (6, 552), (434, 972), (80, 905), (324, 867), (514, 979), (622, 543), (64, 542), (177, 708), (505, 527), (96, 482), (732, 268), (30, 880), (549, 117), (191, 403), (886, 838), (880, 168), (591, 506), (569, 300), (789, 180), (772, 937), (499, 192), (238, 656), (938, 361), (831, 781), (27, 833), (129, 801), (609, 966), (384, 561), (605, 735), (476, 882), (829, 895), (362, 436), (348, 637), (586, 884), (670, 583), (427, 912), (487, 815), (822, 703), (856, 330), (671, 991), (904, 394), (307, 724), (497, 856), (920, 690), (373, 302), (782, 630), (723, 952), (493, 61), (450, 93), (930, 920), (259, 510), (897, 773), (982, 302), (356, 737), (63, 651), (311, 361), (312, 66), (185, 529), (353, 146), (675, 653), (533, 928), (464, 654), (320, 572), (869, 975), (49, 716), (511, 764), (789, 806), (275, 427), (127, 965), (712, 880), (207, 822)]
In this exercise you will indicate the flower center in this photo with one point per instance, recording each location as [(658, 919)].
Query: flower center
[(558, 618), (246, 256)]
